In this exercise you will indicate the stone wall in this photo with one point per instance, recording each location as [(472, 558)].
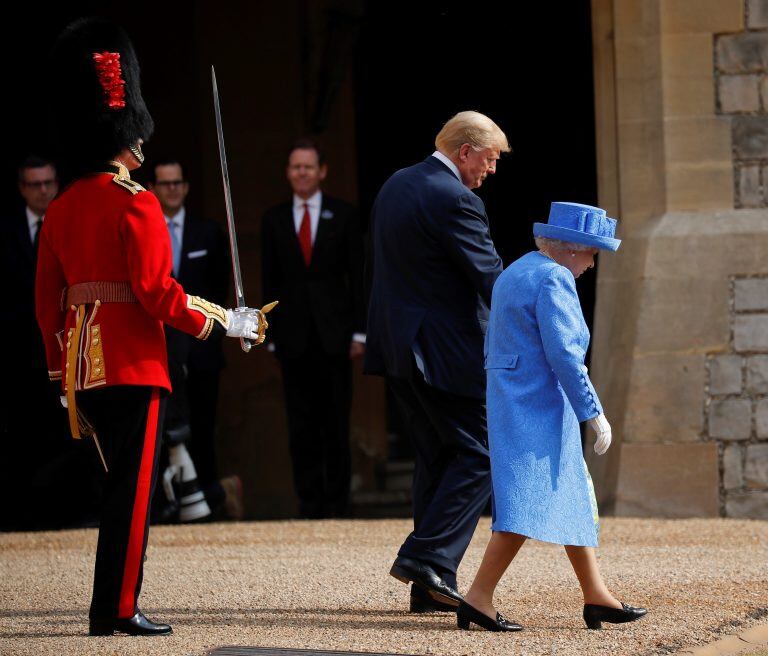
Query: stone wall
[(680, 343), (736, 404), (741, 72)]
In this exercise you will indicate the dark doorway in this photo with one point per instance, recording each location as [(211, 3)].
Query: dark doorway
[(526, 65)]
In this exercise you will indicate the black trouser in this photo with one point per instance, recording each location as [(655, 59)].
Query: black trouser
[(203, 398), (452, 478), (47, 480), (127, 420), (318, 398)]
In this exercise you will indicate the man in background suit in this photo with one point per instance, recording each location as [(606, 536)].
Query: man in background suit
[(433, 268), (37, 450), (201, 265), (312, 262)]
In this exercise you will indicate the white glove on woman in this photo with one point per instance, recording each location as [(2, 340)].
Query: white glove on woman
[(603, 431), (244, 323)]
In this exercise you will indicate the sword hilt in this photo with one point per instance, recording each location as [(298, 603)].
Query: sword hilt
[(248, 344)]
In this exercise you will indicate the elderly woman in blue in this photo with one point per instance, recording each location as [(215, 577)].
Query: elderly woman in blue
[(538, 392)]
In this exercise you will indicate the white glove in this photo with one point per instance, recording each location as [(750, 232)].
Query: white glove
[(243, 322), (603, 431), (63, 400)]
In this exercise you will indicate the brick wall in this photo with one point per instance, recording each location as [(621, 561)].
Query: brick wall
[(741, 74), (737, 403)]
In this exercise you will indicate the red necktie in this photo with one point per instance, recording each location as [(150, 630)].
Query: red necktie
[(305, 236)]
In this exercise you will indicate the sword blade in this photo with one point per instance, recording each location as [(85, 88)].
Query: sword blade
[(101, 453), (233, 252), (239, 295)]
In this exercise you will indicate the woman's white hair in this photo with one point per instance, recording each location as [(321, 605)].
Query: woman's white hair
[(560, 245)]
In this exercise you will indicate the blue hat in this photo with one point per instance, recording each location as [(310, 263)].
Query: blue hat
[(581, 224)]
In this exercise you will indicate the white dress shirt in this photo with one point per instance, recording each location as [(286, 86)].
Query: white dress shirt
[(179, 227), (314, 203), (32, 220), (454, 169)]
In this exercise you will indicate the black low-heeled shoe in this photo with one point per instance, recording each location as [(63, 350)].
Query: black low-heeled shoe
[(594, 615), (466, 614)]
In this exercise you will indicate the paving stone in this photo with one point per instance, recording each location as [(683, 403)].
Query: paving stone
[(730, 419), (756, 635), (750, 136), (668, 480), (756, 467), (750, 332), (757, 13), (732, 467), (764, 92), (750, 294), (739, 93), (743, 53), (747, 505), (761, 418), (757, 374), (750, 193), (725, 374), (765, 168)]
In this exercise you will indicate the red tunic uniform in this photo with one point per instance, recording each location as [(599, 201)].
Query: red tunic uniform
[(103, 292), (105, 228)]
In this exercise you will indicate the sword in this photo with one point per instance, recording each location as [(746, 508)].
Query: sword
[(245, 344)]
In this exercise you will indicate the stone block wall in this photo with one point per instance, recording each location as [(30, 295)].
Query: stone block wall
[(736, 402), (741, 77)]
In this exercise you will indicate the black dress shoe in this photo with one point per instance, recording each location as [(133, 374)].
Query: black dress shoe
[(137, 625), (422, 602), (594, 615), (466, 614), (424, 575), (429, 605)]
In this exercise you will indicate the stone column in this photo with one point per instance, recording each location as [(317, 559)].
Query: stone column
[(669, 161)]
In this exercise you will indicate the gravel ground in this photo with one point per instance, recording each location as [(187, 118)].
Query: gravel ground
[(324, 585)]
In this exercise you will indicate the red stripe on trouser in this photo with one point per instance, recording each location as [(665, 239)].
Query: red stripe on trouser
[(133, 555)]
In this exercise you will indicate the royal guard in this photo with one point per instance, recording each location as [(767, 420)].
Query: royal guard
[(103, 292)]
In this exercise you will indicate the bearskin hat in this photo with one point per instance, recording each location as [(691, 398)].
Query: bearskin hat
[(97, 106)]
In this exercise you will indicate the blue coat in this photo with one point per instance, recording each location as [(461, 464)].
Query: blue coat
[(433, 265), (538, 392)]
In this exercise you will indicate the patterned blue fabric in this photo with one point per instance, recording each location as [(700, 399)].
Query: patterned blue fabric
[(582, 224), (538, 391)]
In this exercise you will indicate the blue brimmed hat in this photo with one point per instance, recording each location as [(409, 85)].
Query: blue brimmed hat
[(581, 224)]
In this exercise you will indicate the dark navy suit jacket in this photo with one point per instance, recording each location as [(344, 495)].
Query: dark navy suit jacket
[(433, 267)]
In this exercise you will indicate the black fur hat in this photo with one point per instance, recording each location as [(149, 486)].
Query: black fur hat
[(97, 106)]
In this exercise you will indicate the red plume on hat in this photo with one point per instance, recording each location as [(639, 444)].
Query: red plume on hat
[(110, 78), (98, 109)]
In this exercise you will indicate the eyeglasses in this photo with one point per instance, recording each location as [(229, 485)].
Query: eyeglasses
[(170, 183), (39, 184)]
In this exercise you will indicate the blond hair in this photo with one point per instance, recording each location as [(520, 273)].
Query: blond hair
[(471, 128)]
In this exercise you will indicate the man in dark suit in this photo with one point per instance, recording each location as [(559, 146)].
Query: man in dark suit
[(433, 267), (312, 262), (34, 429), (201, 265)]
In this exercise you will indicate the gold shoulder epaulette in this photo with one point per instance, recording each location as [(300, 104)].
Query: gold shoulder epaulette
[(126, 183)]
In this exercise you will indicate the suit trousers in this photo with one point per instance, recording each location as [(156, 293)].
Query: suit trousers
[(318, 399), (128, 421), (452, 478), (203, 398)]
